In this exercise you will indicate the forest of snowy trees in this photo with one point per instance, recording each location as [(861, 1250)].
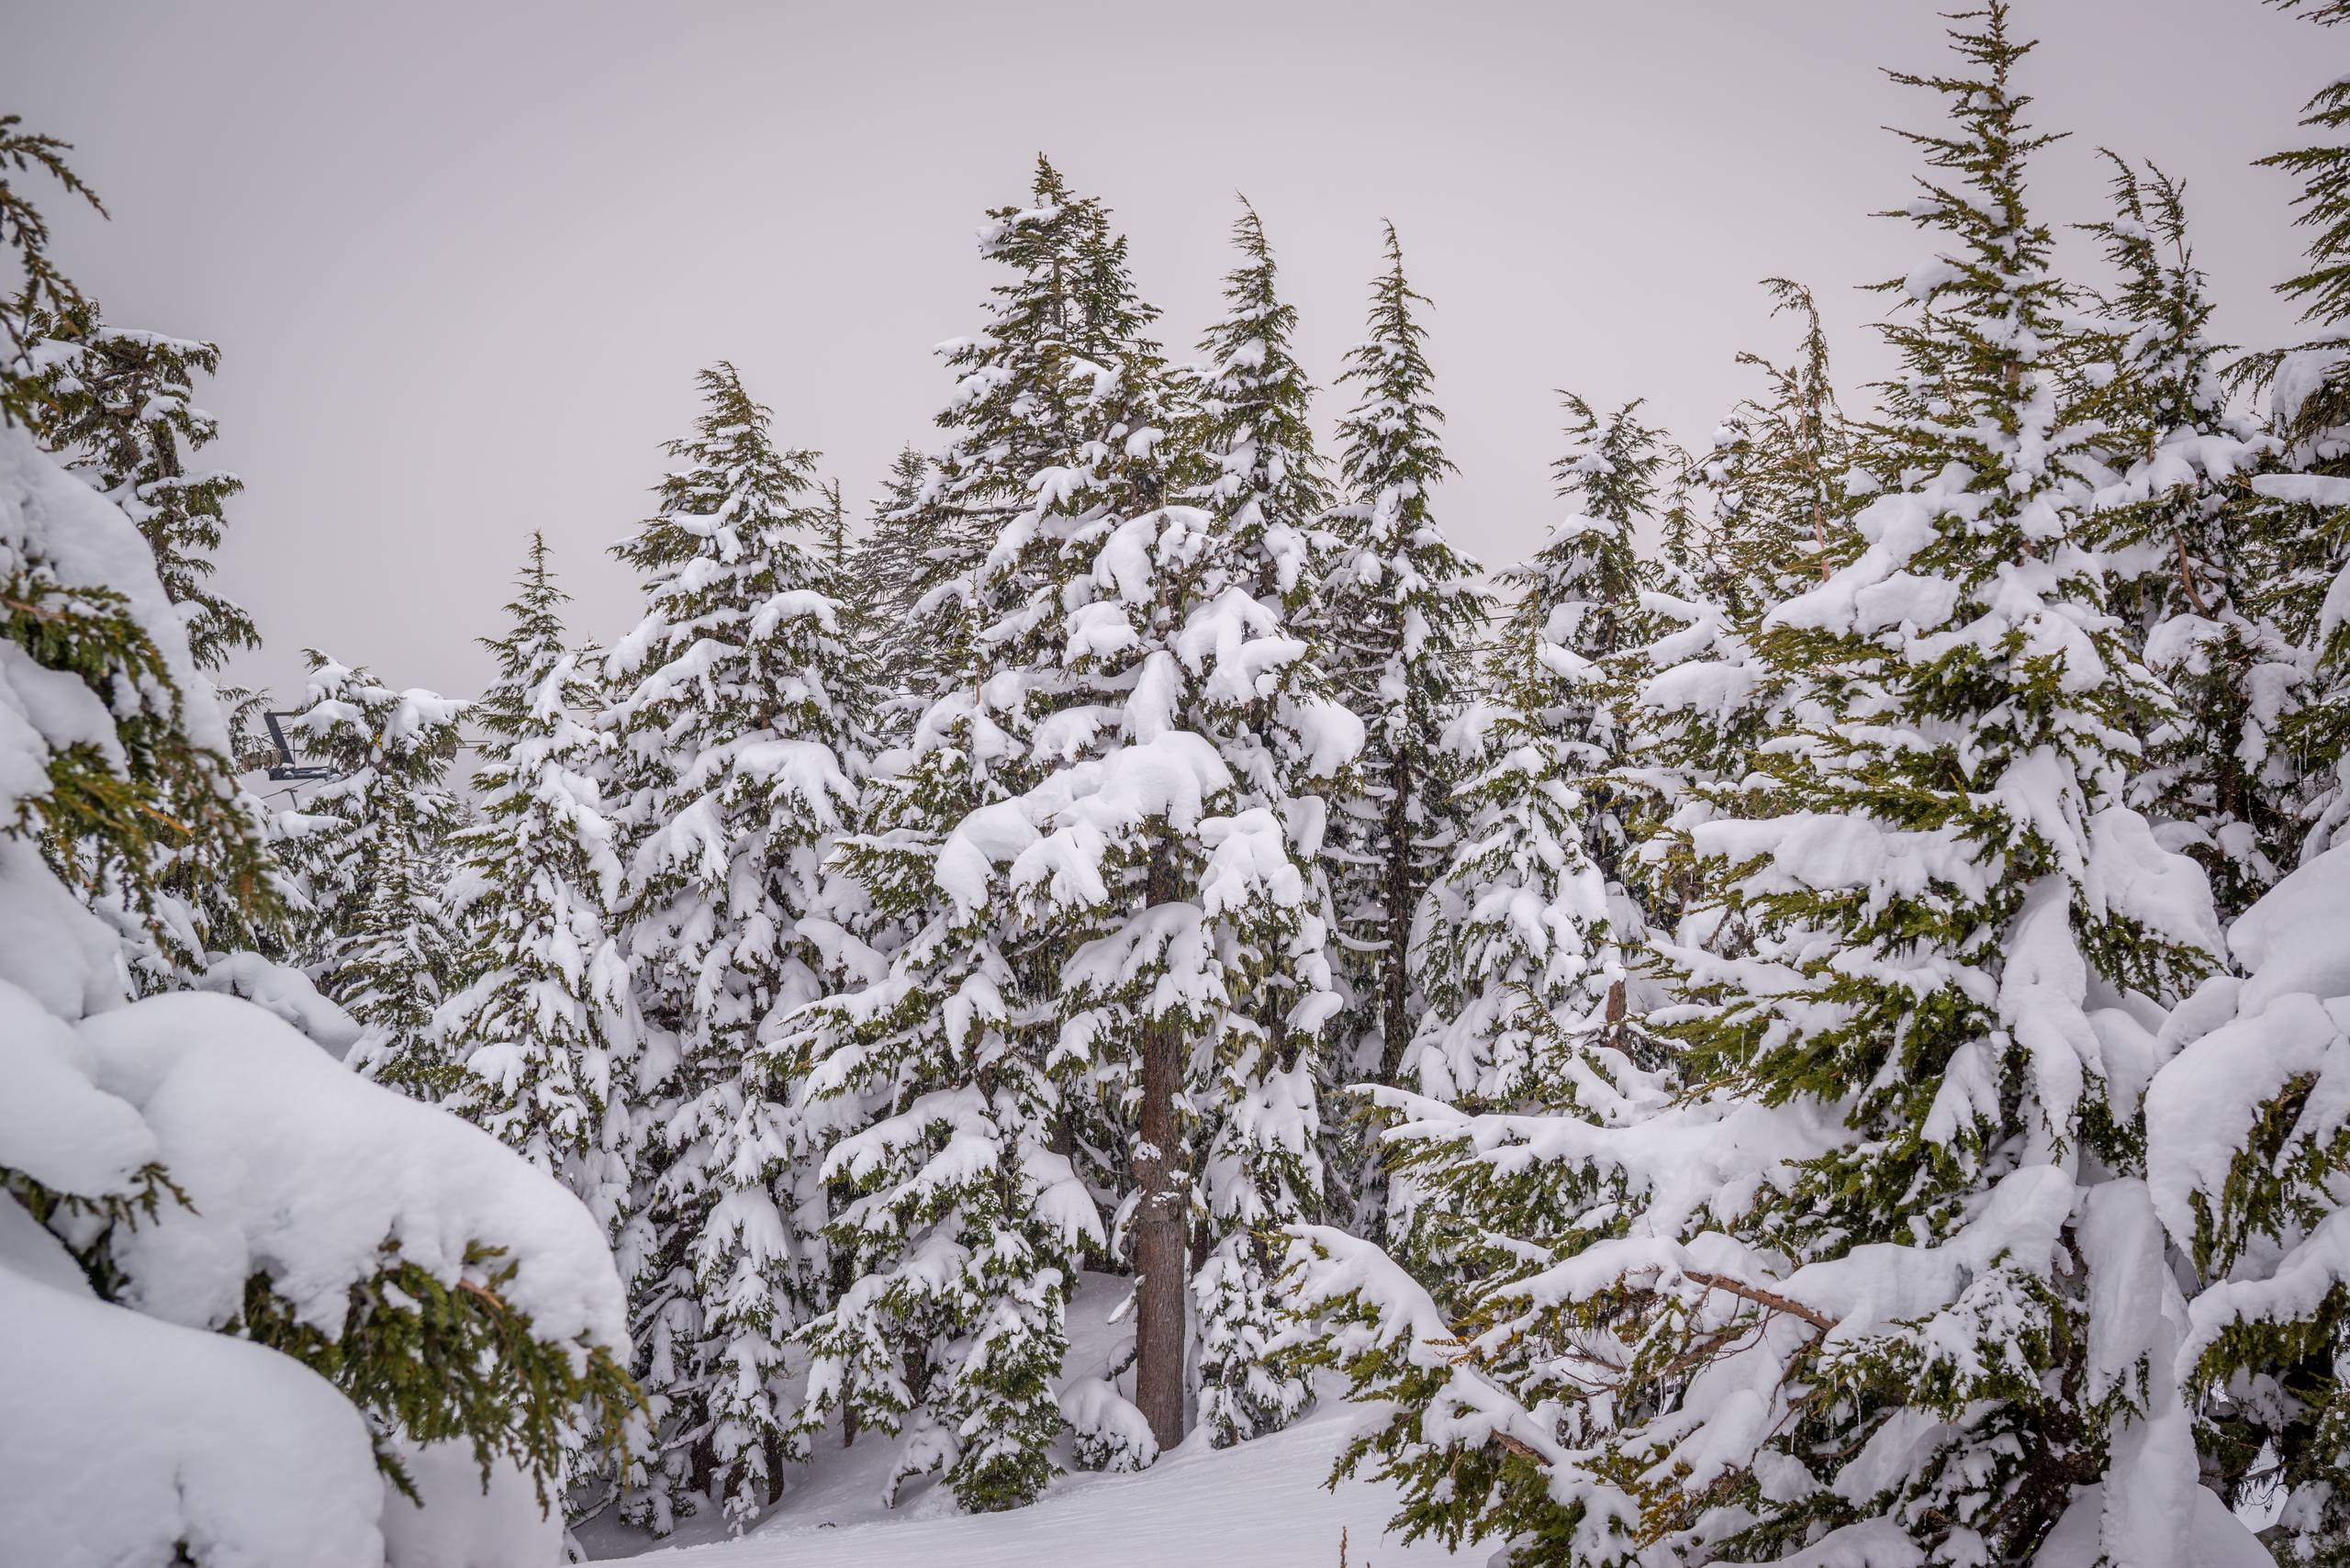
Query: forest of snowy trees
[(1807, 1021)]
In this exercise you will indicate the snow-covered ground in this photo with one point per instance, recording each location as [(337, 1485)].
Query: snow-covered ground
[(1261, 1504)]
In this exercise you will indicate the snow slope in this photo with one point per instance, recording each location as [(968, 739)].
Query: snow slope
[(1261, 1504)]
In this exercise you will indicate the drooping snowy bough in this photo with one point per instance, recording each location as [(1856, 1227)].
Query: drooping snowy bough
[(251, 1298)]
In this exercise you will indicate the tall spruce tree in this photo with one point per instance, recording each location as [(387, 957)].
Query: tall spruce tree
[(2302, 525), (539, 1030), (894, 560), (2244, 1151), (1889, 1284), (1764, 516), (369, 852), (734, 713), (1520, 944), (1403, 614), (1579, 608), (1117, 964), (1263, 1139), (2177, 530), (955, 1326)]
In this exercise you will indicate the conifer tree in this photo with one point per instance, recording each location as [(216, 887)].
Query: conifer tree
[(2244, 1156), (1521, 941), (232, 1270), (1701, 697), (1404, 615), (738, 743), (893, 559), (956, 1323), (1262, 1141), (540, 1032), (1796, 499), (2177, 531), (1268, 488), (1579, 607), (1515, 951), (1092, 845), (369, 853), (124, 419), (1889, 1288), (115, 408), (2302, 526)]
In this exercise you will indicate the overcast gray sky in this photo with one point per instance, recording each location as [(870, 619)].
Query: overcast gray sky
[(463, 259)]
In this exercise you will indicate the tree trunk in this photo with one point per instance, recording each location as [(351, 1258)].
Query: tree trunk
[(1162, 1217)]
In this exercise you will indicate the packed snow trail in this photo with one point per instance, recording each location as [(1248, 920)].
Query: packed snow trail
[(1261, 1504)]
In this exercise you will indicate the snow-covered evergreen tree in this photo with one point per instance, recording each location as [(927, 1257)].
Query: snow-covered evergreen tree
[(940, 1112), (894, 562), (540, 1032), (2178, 530), (734, 703), (1269, 487), (369, 852), (1404, 615), (1578, 612), (1701, 698), (2245, 1158), (1263, 1135), (2301, 526), (257, 1308), (125, 419), (1890, 1286), (1519, 943), (955, 1326)]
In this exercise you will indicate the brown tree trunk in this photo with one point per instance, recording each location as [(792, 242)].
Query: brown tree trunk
[(1161, 1218)]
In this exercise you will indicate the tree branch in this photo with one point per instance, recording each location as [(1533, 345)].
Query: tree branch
[(1760, 1297)]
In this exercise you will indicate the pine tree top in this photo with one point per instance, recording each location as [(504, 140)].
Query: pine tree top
[(2324, 290), (1612, 466), (1254, 400), (1392, 446), (45, 291), (735, 478), (360, 725), (1989, 321), (2168, 367), (1780, 470), (535, 640)]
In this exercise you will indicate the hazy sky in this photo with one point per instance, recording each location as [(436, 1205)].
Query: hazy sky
[(463, 259)]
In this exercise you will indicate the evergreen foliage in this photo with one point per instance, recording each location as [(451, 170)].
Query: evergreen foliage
[(893, 562), (1828, 1298), (2304, 519), (1404, 615), (1265, 1144), (370, 853), (121, 414), (539, 1030), (180, 1172), (2180, 530), (1578, 618), (734, 711)]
